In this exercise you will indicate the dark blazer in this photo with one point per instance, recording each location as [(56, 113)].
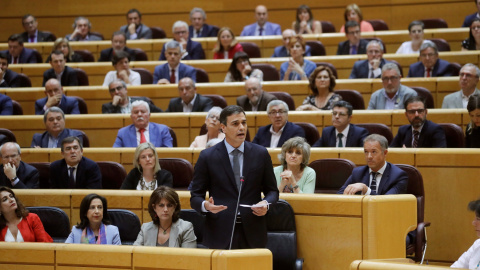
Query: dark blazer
[(107, 54), (41, 139), (264, 137), (69, 76), (26, 56), (214, 173), (11, 79), (394, 180), (440, 69), (360, 69), (431, 136), (163, 72), (281, 51), (27, 174), (355, 137), (6, 105), (243, 101), (109, 108), (163, 177), (344, 47), (145, 32), (69, 105), (88, 175), (194, 49), (201, 104), (207, 31), (468, 19), (75, 58), (41, 37), (159, 136)]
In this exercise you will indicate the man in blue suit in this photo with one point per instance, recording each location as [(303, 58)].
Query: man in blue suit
[(198, 27), (56, 97), (282, 51), (372, 67), (342, 133), (280, 130), (379, 177), (17, 54), (14, 173), (173, 70), (469, 18), (191, 50), (142, 130), (6, 105), (262, 27), (430, 65)]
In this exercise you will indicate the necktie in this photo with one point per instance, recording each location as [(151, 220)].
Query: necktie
[(172, 76), (373, 184), (32, 38), (260, 31), (15, 60), (340, 143), (429, 70), (372, 76), (71, 178), (142, 135), (236, 166), (416, 134), (354, 49), (198, 33)]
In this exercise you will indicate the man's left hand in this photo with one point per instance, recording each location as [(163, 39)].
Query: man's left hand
[(260, 211), (10, 171)]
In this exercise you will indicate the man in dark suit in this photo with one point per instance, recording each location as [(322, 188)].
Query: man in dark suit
[(8, 78), (54, 120), (17, 54), (372, 67), (31, 34), (469, 18), (119, 42), (198, 27), (6, 105), (280, 130), (430, 65), (379, 177), (56, 97), (65, 74), (262, 27), (218, 171), (354, 44), (81, 30), (189, 100), (421, 132), (173, 70), (14, 173), (342, 133), (191, 50), (256, 99), (282, 51), (74, 170), (121, 102), (135, 29)]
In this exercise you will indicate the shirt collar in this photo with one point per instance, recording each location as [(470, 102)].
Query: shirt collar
[(381, 171), (231, 148)]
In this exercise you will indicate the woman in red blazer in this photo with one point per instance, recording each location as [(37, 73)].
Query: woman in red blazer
[(227, 45)]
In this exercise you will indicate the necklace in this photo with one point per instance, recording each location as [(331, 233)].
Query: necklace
[(165, 230), (148, 186)]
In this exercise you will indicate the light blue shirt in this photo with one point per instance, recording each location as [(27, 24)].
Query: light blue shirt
[(240, 156)]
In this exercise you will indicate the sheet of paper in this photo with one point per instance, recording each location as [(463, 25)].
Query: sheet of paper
[(253, 206)]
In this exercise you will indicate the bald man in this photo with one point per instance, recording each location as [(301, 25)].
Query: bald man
[(56, 97), (262, 27)]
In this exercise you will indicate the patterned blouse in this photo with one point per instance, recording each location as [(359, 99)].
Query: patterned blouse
[(334, 98)]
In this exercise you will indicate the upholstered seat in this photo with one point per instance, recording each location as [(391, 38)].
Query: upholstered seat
[(113, 174), (54, 220), (181, 169), (332, 173), (128, 224)]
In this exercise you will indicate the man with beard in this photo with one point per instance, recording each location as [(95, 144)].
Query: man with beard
[(135, 29), (393, 94), (421, 132), (256, 99)]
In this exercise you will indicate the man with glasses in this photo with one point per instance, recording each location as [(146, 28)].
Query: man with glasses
[(342, 133), (173, 71), (280, 130), (354, 44), (31, 34), (189, 100), (121, 102), (421, 132), (255, 99), (372, 67), (430, 65), (283, 51), (190, 49), (14, 173), (469, 75), (393, 94)]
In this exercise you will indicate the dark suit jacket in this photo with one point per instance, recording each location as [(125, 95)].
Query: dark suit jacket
[(41, 37), (163, 72), (355, 137), (26, 56), (214, 173), (163, 178), (107, 54), (11, 79), (88, 175), (6, 106), (69, 76), (468, 19), (201, 104), (27, 174), (69, 105), (41, 139), (194, 49), (207, 31), (431, 136), (281, 51), (145, 32), (264, 137), (440, 69), (243, 102), (394, 180), (360, 69), (344, 47), (109, 108)]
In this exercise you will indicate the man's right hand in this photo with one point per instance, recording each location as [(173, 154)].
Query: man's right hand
[(132, 28), (354, 188), (116, 100), (53, 100), (163, 81), (211, 207)]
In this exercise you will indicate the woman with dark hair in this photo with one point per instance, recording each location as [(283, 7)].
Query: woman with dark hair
[(61, 44), (166, 229), (227, 45), (304, 22), (471, 258), (473, 41), (94, 223), (241, 69), (322, 83), (121, 63), (472, 133), (415, 30), (353, 13), (296, 68), (16, 223)]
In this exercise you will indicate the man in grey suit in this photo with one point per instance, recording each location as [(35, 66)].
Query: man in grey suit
[(255, 99), (81, 31), (469, 75), (135, 29), (393, 94), (189, 100), (121, 102)]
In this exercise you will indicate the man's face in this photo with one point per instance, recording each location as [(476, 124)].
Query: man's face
[(122, 64), (468, 78), (286, 35), (186, 91), (3, 66), (117, 89), (30, 24), (10, 155), (82, 26), (14, 48), (180, 33), (340, 118), (278, 116), (236, 129), (374, 155), (72, 153), (197, 20), (428, 57), (53, 88), (58, 63), (118, 42), (391, 81), (173, 56), (254, 91), (353, 34), (416, 114), (261, 15), (140, 116), (374, 52), (55, 123), (134, 18)]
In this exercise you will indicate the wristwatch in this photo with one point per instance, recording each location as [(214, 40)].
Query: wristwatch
[(295, 187), (14, 179)]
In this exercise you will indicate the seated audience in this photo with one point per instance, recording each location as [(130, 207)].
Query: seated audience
[(283, 51), (354, 44), (16, 223), (353, 13), (473, 40), (173, 70), (212, 121), (56, 97), (142, 130), (304, 22), (119, 44), (296, 68), (121, 63), (54, 120), (421, 133), (14, 173), (8, 78), (66, 75), (166, 229), (393, 94), (415, 30), (342, 133), (280, 130), (135, 29), (227, 46), (31, 34), (198, 27), (372, 66), (189, 100), (294, 175), (472, 133), (6, 105), (469, 75), (262, 27), (255, 99), (62, 44), (429, 65), (94, 226), (378, 177), (469, 18), (321, 82), (81, 31), (191, 50), (16, 53), (470, 258), (146, 174), (241, 69), (121, 102)]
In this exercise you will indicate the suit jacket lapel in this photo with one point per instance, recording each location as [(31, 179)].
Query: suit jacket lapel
[(132, 136), (385, 180), (283, 137), (332, 138), (421, 138), (351, 130), (152, 132), (408, 137), (196, 104), (79, 174)]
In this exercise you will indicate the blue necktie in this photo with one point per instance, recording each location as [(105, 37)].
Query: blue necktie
[(354, 49)]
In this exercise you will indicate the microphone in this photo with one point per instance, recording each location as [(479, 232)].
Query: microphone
[(236, 211)]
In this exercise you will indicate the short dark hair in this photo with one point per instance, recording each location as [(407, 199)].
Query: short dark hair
[(237, 76), (57, 52), (3, 56), (313, 77), (169, 194), (414, 99), (70, 140), (475, 207), (344, 104), (134, 10), (85, 205), (350, 24), (28, 15), (119, 33), (412, 24), (119, 56), (229, 110), (21, 211), (16, 37)]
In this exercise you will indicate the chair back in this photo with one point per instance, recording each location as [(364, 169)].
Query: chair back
[(217, 100), (17, 108), (82, 77), (128, 224), (50, 35), (270, 73), (332, 173), (454, 135), (43, 169), (86, 55), (85, 140), (353, 97), (9, 134), (316, 47), (38, 56), (311, 131), (455, 68), (146, 76), (181, 169), (198, 222), (24, 80), (441, 43), (377, 128), (285, 97), (378, 25), (425, 94), (202, 76), (174, 136), (327, 27), (330, 66), (139, 55), (113, 174), (434, 23), (54, 220), (82, 105), (251, 49), (157, 32)]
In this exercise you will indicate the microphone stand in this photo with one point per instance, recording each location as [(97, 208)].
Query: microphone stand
[(236, 212)]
